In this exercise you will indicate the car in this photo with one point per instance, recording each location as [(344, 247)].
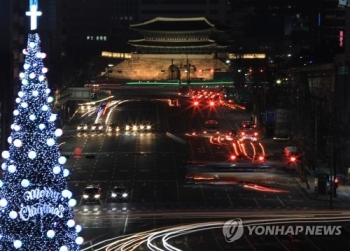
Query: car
[(230, 135), (97, 127), (92, 194), (145, 126), (119, 193), (211, 126), (248, 124), (185, 91), (248, 134), (82, 127), (113, 128)]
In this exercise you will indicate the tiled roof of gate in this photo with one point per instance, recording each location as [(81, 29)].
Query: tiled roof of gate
[(174, 24)]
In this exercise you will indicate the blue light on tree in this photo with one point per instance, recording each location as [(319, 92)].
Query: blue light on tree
[(35, 204)]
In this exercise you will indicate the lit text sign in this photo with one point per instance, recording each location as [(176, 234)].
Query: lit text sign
[(247, 56)]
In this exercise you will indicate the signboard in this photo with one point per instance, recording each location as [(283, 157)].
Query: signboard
[(281, 116), (79, 93), (270, 116), (343, 2)]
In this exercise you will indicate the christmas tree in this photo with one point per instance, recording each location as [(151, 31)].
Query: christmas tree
[(35, 203)]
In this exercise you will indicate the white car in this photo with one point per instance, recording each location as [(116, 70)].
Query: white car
[(248, 134), (97, 127), (82, 128)]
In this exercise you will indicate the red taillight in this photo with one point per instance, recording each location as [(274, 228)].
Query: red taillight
[(242, 133), (293, 159), (233, 157), (261, 158), (255, 134)]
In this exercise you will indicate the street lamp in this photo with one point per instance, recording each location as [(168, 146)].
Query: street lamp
[(109, 69)]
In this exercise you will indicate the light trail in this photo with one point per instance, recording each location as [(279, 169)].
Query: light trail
[(165, 234), (262, 149), (254, 150)]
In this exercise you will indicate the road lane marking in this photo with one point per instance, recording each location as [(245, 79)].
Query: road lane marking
[(281, 243), (312, 243), (205, 202), (257, 203), (229, 198), (250, 244), (280, 201)]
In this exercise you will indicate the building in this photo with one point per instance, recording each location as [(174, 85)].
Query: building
[(182, 49), (14, 33)]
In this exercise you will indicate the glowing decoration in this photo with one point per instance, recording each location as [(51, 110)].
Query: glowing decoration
[(32, 155), (5, 154), (25, 183), (71, 223), (35, 204), (65, 173), (50, 142), (12, 168), (50, 233), (24, 51), (33, 13), (66, 194), (24, 105), (13, 215), (58, 132), (21, 75), (78, 228), (3, 202), (63, 248), (79, 240), (72, 202), (56, 170), (62, 160), (17, 143), (52, 117), (17, 244)]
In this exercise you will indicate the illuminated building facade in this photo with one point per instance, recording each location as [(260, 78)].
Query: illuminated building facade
[(181, 49)]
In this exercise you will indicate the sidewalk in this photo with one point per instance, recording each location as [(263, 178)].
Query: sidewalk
[(343, 190)]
